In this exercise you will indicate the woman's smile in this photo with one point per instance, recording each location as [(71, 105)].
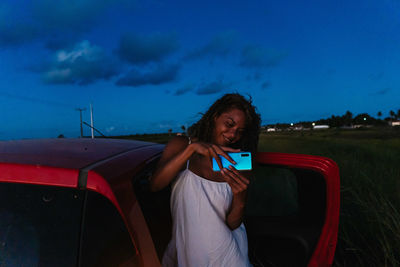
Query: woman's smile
[(228, 139)]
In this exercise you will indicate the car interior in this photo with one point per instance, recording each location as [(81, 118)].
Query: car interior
[(284, 214)]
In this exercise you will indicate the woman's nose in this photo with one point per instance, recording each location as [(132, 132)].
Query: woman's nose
[(231, 134)]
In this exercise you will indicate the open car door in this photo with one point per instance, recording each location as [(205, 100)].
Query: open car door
[(292, 214)]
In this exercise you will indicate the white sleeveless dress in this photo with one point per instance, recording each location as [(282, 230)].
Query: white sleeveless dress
[(200, 236)]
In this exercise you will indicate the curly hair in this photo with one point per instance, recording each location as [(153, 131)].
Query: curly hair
[(203, 129)]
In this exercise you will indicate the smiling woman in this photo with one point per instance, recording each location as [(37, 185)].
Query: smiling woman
[(207, 206)]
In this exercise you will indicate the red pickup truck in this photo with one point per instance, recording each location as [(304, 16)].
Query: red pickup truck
[(86, 202)]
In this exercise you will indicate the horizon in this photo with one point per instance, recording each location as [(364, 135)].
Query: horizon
[(150, 66), (396, 118)]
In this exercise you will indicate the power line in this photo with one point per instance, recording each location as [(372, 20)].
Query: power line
[(94, 128)]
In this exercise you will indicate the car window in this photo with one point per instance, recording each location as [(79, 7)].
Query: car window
[(105, 238), (272, 192), (155, 208), (39, 225)]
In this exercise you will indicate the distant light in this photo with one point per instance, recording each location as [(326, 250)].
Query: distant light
[(365, 119), (291, 124), (313, 124)]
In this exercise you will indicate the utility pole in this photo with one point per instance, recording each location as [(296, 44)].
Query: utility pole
[(91, 119), (80, 114)]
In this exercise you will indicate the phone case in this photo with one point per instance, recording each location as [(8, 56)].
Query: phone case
[(242, 159)]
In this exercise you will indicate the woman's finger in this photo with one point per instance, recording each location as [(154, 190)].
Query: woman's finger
[(233, 178), (222, 153), (213, 154), (230, 149), (234, 186), (242, 177), (202, 149)]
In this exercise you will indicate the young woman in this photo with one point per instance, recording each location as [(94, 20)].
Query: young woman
[(207, 206)]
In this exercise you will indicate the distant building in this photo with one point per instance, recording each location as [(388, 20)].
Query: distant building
[(271, 129), (320, 127), (347, 127), (356, 126), (394, 123)]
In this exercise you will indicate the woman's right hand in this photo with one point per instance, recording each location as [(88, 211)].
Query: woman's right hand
[(176, 154), (211, 151)]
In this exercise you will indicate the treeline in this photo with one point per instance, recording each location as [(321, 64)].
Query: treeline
[(347, 120)]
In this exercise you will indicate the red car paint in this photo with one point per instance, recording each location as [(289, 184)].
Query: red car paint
[(106, 166)]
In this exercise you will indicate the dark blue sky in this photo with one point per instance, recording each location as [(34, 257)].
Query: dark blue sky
[(148, 66)]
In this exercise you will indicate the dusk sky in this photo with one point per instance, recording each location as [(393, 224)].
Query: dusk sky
[(148, 66)]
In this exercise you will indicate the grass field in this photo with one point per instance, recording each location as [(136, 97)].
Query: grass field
[(369, 162), (369, 231)]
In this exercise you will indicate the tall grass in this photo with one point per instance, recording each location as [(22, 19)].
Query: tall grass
[(369, 230)]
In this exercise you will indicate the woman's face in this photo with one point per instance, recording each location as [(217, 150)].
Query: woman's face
[(229, 127)]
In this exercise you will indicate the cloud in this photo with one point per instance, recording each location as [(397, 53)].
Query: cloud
[(59, 43), (44, 19), (383, 91), (14, 28), (265, 85), (220, 45), (257, 76), (78, 15), (16, 34), (83, 64), (260, 57), (110, 129), (137, 49), (184, 90), (212, 88), (162, 74), (163, 126)]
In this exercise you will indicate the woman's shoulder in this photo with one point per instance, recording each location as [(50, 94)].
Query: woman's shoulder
[(181, 140), (178, 142)]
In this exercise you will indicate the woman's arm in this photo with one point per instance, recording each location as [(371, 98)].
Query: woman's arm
[(238, 183), (175, 155), (235, 216)]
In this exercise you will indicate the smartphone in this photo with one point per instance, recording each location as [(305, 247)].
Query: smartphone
[(242, 159)]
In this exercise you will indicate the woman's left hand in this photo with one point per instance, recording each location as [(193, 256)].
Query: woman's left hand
[(235, 179), (238, 183)]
